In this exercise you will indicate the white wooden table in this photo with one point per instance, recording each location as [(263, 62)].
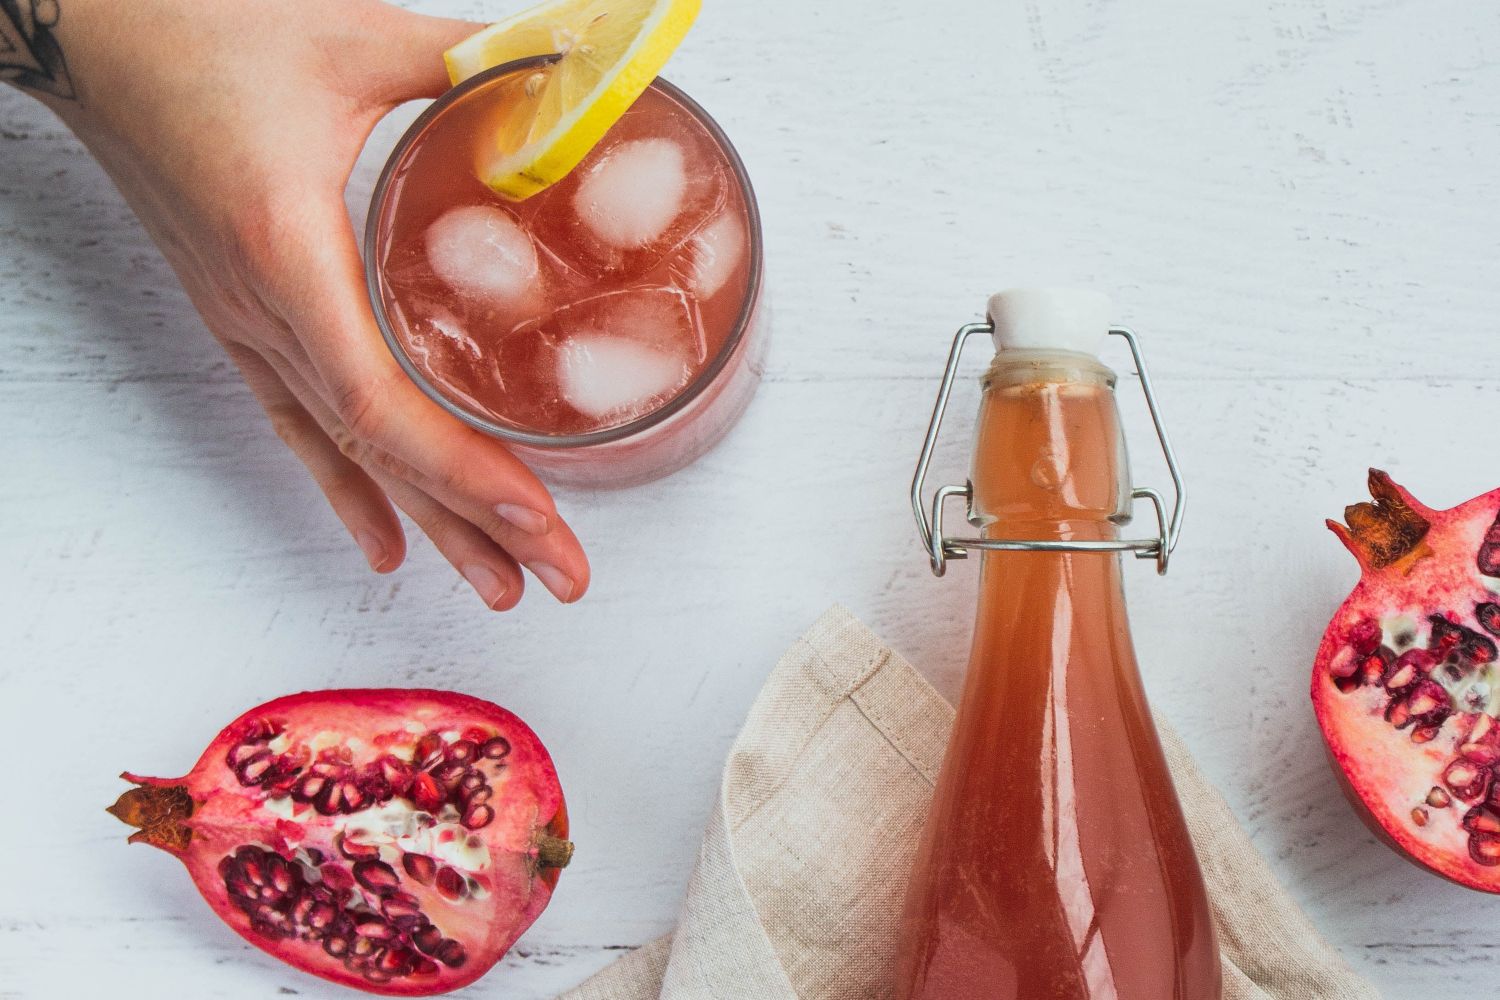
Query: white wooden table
[(1296, 202)]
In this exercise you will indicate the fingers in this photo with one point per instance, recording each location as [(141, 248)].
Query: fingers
[(410, 60), (492, 573), (489, 568), (391, 425), (354, 496)]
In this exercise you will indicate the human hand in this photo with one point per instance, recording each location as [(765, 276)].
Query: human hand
[(231, 129)]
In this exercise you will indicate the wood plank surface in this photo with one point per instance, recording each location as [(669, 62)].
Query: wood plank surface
[(1295, 202)]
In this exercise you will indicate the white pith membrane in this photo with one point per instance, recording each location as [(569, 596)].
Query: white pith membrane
[(396, 828)]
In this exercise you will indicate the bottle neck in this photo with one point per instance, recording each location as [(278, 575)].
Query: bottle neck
[(1049, 464), (1049, 457)]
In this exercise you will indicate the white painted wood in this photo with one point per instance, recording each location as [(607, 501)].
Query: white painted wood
[(1295, 201)]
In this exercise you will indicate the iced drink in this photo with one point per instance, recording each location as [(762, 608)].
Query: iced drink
[(605, 326)]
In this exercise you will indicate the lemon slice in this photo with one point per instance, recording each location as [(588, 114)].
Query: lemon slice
[(608, 52)]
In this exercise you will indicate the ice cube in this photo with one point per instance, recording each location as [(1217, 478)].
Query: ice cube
[(713, 253), (442, 349), (634, 201), (605, 377), (483, 253), (609, 357), (630, 197)]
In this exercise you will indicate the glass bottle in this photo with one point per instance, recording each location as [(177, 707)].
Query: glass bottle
[(1055, 862)]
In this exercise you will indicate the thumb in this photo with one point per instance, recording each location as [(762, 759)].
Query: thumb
[(410, 66)]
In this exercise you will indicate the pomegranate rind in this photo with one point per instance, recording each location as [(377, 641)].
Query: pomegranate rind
[(514, 884), (1386, 775)]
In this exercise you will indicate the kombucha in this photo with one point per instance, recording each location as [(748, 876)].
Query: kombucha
[(578, 323), (1055, 863)]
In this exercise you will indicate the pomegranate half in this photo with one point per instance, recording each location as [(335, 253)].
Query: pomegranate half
[(397, 841), (1406, 684)]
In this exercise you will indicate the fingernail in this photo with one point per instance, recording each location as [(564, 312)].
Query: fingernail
[(554, 580), (373, 548), (533, 522), (486, 582)]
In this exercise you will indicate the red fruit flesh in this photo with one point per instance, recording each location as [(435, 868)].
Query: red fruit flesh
[(1406, 684), (316, 826)]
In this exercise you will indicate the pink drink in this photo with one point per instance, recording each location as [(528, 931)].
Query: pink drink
[(605, 327)]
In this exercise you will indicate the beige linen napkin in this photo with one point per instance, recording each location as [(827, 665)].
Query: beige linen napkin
[(804, 863)]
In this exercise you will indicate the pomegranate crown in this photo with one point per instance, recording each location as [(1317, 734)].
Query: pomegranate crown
[(1386, 531)]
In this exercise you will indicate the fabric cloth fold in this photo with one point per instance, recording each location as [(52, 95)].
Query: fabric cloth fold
[(799, 882)]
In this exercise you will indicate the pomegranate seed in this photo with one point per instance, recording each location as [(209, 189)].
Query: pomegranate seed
[(450, 883), (420, 867), (397, 775), (429, 750), (242, 752), (463, 750), (375, 928), (239, 887), (1345, 663), (450, 773), (478, 816), (376, 876), (1419, 816), (1437, 798), (397, 961), (321, 915), (478, 796), (362, 947), (336, 946), (1479, 753), (327, 802), (452, 954), (1422, 702), (353, 799), (353, 849), (337, 877), (428, 938), (1424, 734), (253, 771), (1467, 780), (1375, 665), (471, 781), (425, 793), (1488, 615), (307, 788), (281, 874), (1397, 714), (496, 749), (302, 909), (400, 905), (424, 967), (1481, 820), (1403, 676), (1364, 636), (250, 863), (1485, 848)]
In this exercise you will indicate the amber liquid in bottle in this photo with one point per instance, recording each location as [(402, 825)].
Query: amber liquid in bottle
[(1055, 863)]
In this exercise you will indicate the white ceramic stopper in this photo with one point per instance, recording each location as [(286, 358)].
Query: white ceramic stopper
[(1063, 319)]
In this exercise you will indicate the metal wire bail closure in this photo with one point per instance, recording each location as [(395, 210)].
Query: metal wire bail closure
[(941, 548)]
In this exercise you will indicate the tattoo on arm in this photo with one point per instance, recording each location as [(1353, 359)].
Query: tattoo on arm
[(29, 54)]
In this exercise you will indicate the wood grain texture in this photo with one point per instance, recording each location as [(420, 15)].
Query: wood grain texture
[(1294, 201)]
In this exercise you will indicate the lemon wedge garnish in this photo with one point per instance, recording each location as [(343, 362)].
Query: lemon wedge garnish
[(608, 52)]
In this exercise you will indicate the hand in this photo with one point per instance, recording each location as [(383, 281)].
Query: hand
[(231, 128)]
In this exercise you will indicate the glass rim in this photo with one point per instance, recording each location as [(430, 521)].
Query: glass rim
[(683, 398)]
